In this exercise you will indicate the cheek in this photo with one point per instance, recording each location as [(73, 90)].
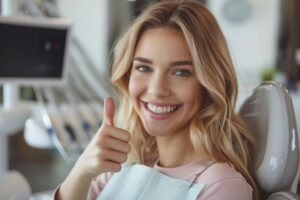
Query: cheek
[(192, 97), (135, 89)]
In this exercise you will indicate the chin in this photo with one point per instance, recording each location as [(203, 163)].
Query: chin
[(156, 132)]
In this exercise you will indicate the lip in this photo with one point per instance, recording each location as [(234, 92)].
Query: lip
[(159, 116)]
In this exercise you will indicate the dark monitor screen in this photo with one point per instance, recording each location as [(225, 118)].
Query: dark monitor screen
[(32, 51)]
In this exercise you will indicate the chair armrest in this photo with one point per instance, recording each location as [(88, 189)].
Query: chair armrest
[(284, 196)]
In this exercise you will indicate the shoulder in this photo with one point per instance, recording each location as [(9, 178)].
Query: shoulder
[(224, 182), (218, 172)]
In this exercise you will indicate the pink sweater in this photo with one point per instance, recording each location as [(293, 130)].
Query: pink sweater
[(222, 181)]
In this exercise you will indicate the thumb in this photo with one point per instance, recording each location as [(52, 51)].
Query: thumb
[(108, 111)]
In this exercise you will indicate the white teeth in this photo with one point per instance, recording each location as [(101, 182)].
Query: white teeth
[(158, 109)]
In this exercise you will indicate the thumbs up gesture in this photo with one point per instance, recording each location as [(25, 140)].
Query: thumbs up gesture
[(105, 153), (108, 149)]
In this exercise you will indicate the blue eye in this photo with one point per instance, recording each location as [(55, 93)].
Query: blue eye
[(143, 68), (183, 72)]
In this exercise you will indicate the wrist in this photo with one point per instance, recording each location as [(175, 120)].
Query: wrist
[(81, 175), (75, 186)]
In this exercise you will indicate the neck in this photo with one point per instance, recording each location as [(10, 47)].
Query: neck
[(175, 151)]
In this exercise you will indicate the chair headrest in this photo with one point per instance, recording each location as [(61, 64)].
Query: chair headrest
[(270, 117)]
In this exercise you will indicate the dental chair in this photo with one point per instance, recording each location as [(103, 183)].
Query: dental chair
[(269, 115)]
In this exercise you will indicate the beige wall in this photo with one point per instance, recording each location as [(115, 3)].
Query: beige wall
[(94, 23)]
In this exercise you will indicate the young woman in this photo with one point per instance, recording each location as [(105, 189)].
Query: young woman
[(176, 130)]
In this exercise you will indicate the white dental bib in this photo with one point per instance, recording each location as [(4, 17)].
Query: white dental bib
[(139, 182)]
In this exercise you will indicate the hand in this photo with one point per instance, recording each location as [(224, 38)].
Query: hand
[(107, 150)]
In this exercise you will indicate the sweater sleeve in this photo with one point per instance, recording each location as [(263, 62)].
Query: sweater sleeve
[(230, 188), (97, 185), (95, 188)]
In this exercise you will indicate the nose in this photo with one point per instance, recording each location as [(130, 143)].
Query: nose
[(159, 86)]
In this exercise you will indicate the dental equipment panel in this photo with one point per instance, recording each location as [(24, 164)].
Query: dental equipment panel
[(33, 50)]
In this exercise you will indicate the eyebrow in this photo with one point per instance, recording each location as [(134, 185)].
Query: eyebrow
[(175, 63)]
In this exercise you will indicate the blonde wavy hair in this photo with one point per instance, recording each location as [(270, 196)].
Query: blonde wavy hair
[(216, 129)]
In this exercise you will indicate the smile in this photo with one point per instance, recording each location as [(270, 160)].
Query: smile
[(160, 109)]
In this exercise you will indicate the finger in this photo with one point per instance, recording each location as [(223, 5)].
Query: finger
[(108, 111), (111, 166), (117, 145), (114, 156), (118, 133)]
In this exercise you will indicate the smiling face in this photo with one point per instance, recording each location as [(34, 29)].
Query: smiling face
[(163, 85)]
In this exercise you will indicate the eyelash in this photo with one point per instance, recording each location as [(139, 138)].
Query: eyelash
[(143, 68), (183, 72)]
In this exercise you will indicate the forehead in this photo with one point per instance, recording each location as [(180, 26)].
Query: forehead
[(163, 43)]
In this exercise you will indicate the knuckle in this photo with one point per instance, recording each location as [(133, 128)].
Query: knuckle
[(117, 167), (103, 131), (102, 141), (124, 158), (128, 148), (128, 136)]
